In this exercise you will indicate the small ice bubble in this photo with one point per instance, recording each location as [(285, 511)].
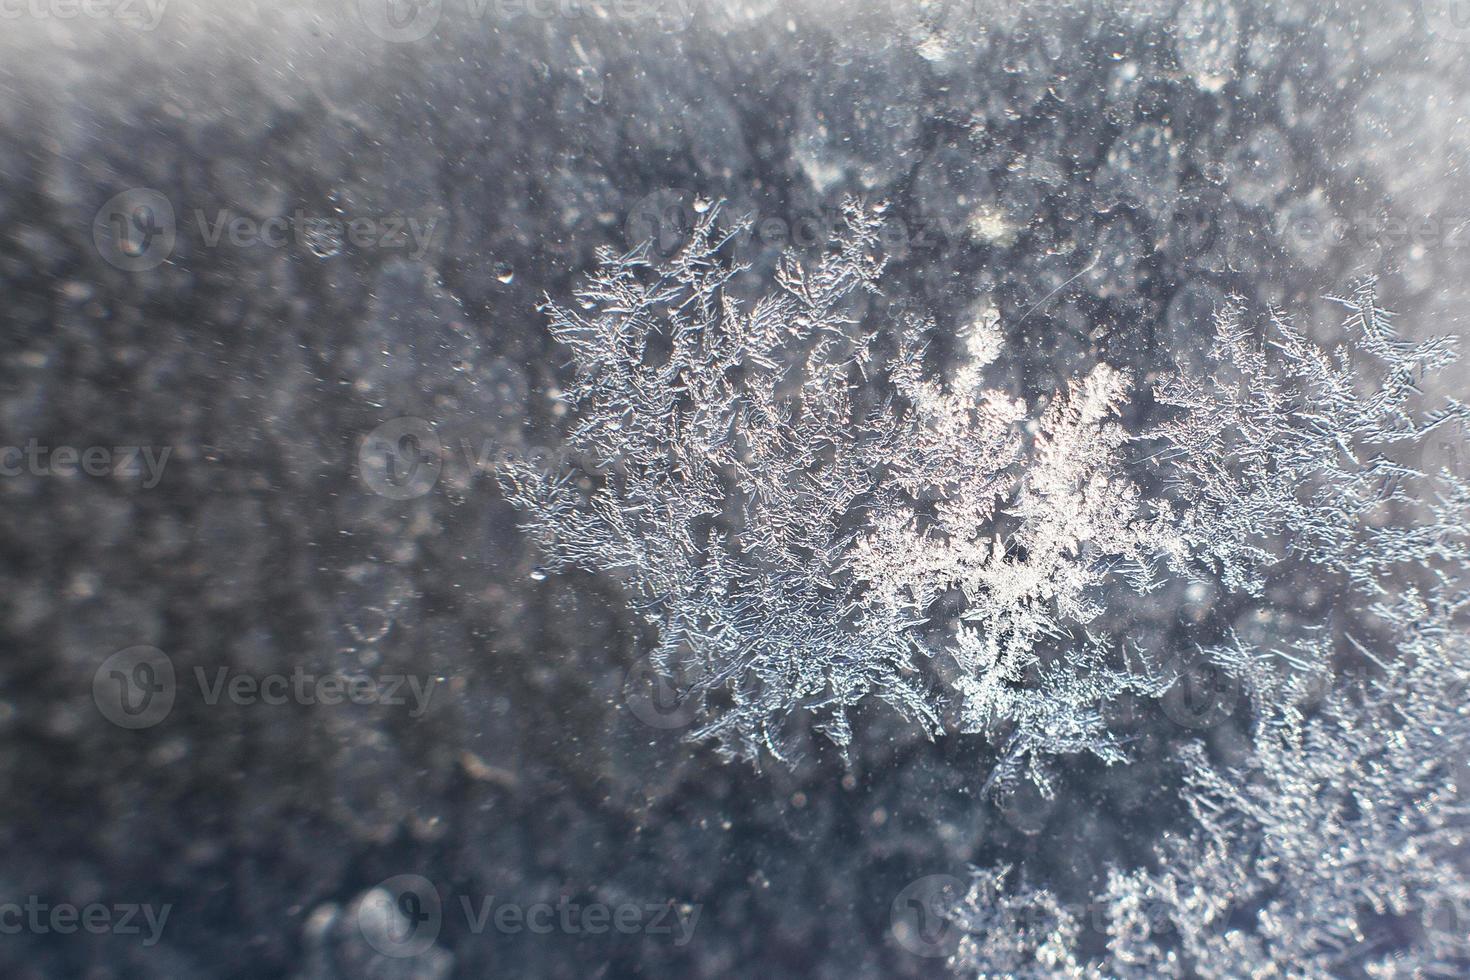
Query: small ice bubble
[(504, 272), (322, 242), (592, 84), (370, 624)]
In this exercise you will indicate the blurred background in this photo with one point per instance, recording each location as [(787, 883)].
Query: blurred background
[(237, 241)]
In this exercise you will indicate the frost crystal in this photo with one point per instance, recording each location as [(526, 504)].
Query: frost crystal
[(1337, 851), (1338, 847), (808, 512), (1287, 459), (787, 504), (743, 446), (1073, 523)]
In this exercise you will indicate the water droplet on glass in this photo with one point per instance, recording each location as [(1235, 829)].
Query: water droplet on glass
[(592, 84), (370, 624), (322, 242)]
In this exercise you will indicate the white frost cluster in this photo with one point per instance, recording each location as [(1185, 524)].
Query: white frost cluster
[(789, 494), (810, 510), (1338, 850), (743, 446)]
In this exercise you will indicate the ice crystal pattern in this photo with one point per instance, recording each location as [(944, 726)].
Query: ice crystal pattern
[(1337, 850), (1337, 846), (811, 509), (742, 446)]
